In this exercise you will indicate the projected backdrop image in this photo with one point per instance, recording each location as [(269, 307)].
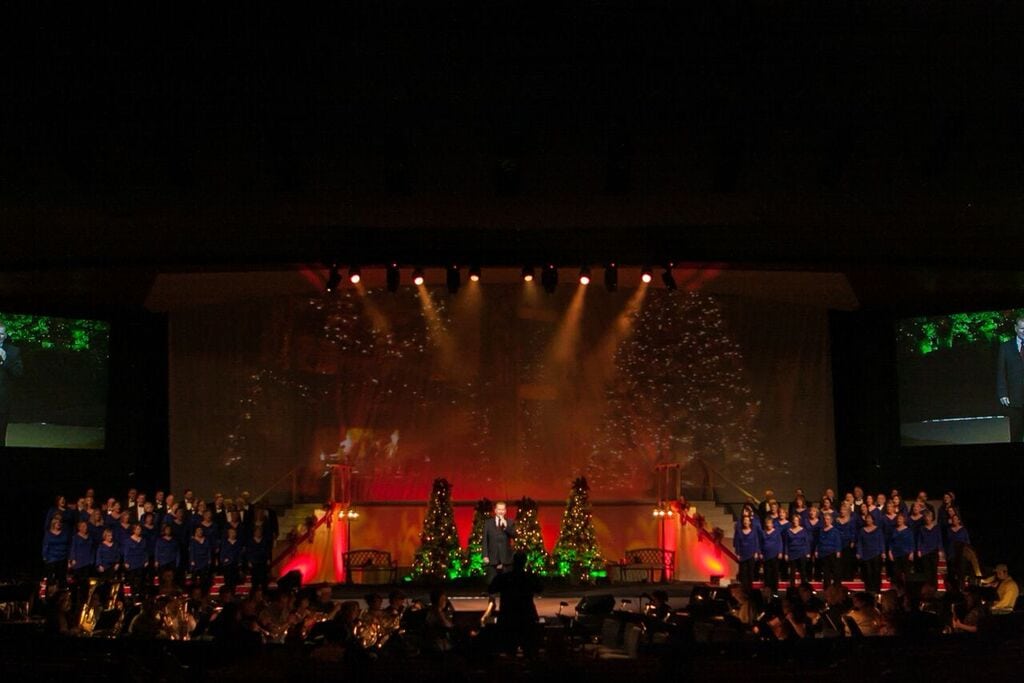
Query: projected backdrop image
[(53, 381), (953, 371), (503, 389)]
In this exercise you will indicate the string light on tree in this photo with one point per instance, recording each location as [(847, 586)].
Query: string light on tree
[(529, 538), (439, 554), (576, 553), (475, 547)]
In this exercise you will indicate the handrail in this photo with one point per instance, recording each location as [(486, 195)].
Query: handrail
[(293, 546), (293, 473), (707, 535), (710, 469)]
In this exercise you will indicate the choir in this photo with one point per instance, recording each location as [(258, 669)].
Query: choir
[(136, 541), (863, 534)]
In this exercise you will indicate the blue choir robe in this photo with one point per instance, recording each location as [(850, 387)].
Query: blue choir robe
[(954, 537), (231, 553), (929, 540), (200, 554), (166, 553), (746, 544), (870, 544), (212, 535), (798, 544), (134, 553), (847, 531), (830, 541), (108, 555), (902, 544), (83, 553), (55, 547), (150, 533), (813, 529), (888, 527), (772, 544), (257, 552)]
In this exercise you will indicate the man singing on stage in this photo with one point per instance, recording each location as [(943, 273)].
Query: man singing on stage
[(1010, 380), (498, 535), (10, 369)]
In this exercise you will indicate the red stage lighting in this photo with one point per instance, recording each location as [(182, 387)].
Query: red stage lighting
[(584, 275), (353, 275), (645, 275), (417, 277)]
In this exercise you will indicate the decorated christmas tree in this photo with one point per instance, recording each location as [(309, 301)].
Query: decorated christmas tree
[(528, 536), (475, 551), (439, 554), (576, 553)]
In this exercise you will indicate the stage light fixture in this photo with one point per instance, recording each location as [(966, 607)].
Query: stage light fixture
[(611, 277), (333, 279), (549, 278), (646, 275), (394, 276), (417, 276), (527, 273), (474, 273), (353, 275), (668, 278), (453, 278), (584, 275)]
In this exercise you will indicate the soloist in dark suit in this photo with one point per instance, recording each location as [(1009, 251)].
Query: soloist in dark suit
[(498, 546), (1010, 384), (10, 369)]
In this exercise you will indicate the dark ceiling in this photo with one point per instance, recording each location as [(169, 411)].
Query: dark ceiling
[(884, 139)]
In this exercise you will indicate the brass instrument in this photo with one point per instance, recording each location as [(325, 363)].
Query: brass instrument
[(373, 630), (114, 604), (175, 620), (90, 613)]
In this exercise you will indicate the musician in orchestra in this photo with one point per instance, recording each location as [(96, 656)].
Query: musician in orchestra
[(440, 627)]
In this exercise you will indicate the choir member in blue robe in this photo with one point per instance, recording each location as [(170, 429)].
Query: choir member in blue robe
[(902, 547), (56, 545), (257, 557), (956, 540), (848, 533), (870, 549), (772, 551), (83, 554), (167, 554), (108, 556), (211, 532), (231, 557), (798, 550), (929, 543), (96, 527), (830, 547), (200, 558), (123, 529), (747, 543), (813, 525), (135, 560)]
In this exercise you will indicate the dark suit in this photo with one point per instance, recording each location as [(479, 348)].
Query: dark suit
[(498, 546), (10, 369), (1010, 384)]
